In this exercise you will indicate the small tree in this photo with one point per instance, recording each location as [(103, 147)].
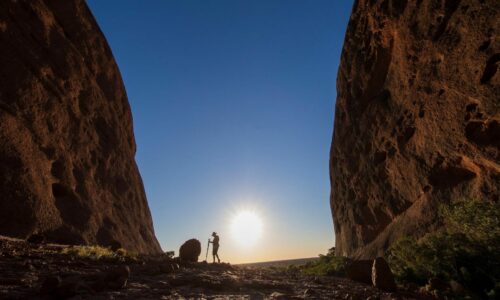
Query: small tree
[(467, 250)]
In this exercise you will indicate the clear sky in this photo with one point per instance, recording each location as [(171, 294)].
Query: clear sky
[(233, 105)]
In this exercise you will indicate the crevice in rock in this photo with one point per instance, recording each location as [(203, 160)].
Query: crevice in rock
[(491, 68), (72, 211)]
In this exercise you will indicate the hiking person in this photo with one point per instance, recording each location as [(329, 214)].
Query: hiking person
[(215, 247)]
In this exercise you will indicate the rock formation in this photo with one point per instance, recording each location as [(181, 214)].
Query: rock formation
[(417, 119), (190, 250), (67, 169)]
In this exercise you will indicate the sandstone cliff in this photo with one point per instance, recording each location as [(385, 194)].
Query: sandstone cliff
[(67, 168), (417, 117)]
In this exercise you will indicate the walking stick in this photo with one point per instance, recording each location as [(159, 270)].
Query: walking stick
[(208, 245)]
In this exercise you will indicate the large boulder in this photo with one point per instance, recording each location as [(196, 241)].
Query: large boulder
[(67, 168), (190, 250), (382, 277), (417, 118), (360, 270)]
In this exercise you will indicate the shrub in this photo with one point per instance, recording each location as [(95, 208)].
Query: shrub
[(99, 253), (467, 250), (328, 264)]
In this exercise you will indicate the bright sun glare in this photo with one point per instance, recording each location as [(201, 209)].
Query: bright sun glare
[(246, 228)]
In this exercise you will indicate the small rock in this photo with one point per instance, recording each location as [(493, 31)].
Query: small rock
[(456, 287), (29, 266), (278, 295), (382, 277), (50, 285), (115, 245), (36, 239), (166, 268), (113, 279), (309, 293), (317, 280), (117, 278), (389, 296), (437, 284)]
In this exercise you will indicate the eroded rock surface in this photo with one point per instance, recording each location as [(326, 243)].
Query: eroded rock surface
[(67, 168), (417, 118)]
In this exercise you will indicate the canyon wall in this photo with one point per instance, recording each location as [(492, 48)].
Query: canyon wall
[(67, 168), (417, 120)]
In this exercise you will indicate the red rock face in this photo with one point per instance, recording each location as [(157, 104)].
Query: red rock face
[(417, 119), (67, 168)]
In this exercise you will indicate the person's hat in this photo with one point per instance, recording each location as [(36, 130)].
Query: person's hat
[(214, 233)]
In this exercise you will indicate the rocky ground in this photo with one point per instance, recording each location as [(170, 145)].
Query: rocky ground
[(42, 271)]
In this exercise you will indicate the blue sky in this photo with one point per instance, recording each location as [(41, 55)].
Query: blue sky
[(233, 105)]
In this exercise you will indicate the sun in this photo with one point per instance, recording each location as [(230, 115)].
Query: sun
[(246, 228)]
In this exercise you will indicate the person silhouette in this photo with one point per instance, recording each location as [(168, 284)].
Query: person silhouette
[(215, 247)]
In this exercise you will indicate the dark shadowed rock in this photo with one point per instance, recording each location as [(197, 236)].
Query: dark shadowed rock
[(57, 288), (67, 148), (382, 277), (36, 239), (50, 285), (456, 287), (417, 118), (117, 278), (437, 284), (70, 287), (166, 267), (360, 270), (190, 250), (115, 246)]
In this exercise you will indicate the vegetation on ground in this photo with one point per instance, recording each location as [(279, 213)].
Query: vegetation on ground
[(100, 253), (467, 250), (328, 264)]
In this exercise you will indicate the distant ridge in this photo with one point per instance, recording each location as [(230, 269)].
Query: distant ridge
[(275, 263)]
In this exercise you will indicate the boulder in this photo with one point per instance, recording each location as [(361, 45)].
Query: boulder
[(190, 250), (360, 270), (417, 121), (117, 278), (382, 277), (67, 147), (50, 285)]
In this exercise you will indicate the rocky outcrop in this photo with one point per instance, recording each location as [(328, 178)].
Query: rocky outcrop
[(67, 169), (417, 118)]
